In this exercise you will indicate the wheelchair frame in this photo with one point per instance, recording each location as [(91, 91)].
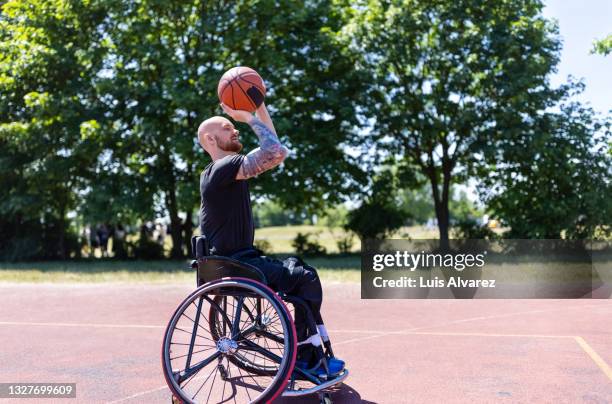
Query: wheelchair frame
[(225, 278)]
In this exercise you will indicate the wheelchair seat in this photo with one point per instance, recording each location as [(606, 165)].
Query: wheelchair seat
[(214, 267)]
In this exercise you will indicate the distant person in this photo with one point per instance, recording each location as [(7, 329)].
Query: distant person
[(119, 236), (86, 239), (94, 241), (103, 236), (160, 233)]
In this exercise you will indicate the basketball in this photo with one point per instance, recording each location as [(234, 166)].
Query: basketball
[(241, 88)]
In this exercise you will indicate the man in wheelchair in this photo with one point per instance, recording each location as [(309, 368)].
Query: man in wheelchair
[(226, 220)]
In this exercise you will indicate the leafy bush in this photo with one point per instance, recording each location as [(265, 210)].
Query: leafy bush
[(373, 220), (471, 229), (304, 246), (270, 213), (147, 249), (263, 245), (22, 248), (36, 240), (334, 217), (379, 214), (345, 243)]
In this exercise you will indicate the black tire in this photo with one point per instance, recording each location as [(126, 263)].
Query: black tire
[(182, 347)]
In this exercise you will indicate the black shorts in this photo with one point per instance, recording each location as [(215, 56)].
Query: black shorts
[(282, 276)]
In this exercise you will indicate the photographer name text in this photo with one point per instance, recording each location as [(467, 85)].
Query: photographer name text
[(457, 282)]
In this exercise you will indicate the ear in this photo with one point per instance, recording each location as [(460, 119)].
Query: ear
[(209, 139), (203, 139)]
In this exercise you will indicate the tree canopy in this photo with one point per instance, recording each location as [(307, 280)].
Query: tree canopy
[(450, 77)]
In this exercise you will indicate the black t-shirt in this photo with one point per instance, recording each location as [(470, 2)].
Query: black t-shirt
[(226, 218)]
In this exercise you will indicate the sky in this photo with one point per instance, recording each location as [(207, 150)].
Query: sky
[(580, 23)]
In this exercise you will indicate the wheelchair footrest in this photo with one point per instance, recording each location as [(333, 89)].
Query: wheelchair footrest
[(316, 388)]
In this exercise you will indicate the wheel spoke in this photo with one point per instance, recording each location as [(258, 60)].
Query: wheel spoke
[(251, 346), (273, 337), (236, 325), (191, 353), (199, 365), (189, 332), (196, 324), (245, 333), (222, 312), (182, 343)]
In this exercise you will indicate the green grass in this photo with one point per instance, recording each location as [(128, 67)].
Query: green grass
[(281, 237), (331, 269)]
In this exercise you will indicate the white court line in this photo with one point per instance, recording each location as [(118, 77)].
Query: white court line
[(454, 334), (465, 320), (99, 325), (378, 333), (480, 334), (596, 358), (85, 325), (142, 393)]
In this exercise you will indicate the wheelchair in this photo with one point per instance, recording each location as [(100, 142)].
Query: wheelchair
[(233, 339)]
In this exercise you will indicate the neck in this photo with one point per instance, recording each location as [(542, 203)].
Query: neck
[(219, 154)]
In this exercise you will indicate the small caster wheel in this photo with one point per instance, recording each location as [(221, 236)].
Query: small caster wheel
[(326, 398)]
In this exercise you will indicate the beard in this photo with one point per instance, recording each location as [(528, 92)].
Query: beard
[(230, 145)]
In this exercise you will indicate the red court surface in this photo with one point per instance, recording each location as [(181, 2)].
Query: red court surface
[(107, 339)]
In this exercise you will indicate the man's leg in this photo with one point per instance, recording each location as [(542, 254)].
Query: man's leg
[(295, 278), (308, 287)]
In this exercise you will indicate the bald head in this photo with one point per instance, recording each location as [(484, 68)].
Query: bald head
[(210, 127), (218, 134)]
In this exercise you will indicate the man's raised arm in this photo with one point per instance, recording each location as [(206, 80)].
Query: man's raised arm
[(270, 152)]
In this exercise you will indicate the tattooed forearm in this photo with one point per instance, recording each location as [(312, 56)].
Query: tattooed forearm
[(269, 154), (265, 135)]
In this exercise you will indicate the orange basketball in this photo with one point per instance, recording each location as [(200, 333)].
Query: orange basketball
[(241, 88)]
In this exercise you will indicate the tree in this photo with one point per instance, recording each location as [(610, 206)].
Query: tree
[(417, 204), (51, 51), (448, 78), (555, 183), (166, 60)]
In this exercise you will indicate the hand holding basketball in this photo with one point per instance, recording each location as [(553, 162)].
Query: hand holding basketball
[(237, 114)]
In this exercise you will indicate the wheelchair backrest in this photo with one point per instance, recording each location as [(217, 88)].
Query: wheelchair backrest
[(199, 246)]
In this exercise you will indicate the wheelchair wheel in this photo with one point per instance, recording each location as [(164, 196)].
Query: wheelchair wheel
[(216, 348), (268, 331)]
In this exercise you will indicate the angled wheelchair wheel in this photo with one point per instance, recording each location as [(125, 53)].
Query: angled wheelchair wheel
[(231, 340)]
